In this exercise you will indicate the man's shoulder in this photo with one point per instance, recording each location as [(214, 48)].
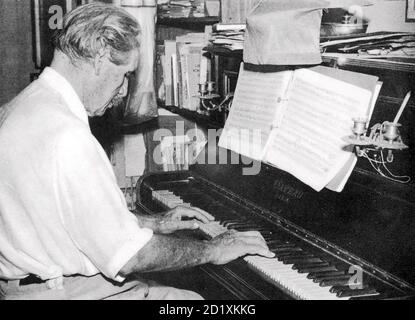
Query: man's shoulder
[(36, 92), (39, 115), (39, 104)]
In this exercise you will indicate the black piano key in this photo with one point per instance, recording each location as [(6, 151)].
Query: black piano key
[(286, 252), (320, 275), (345, 287), (224, 221), (317, 269), (227, 218), (378, 296), (340, 265), (333, 281), (235, 224), (244, 228), (279, 248), (293, 254), (357, 293), (303, 259), (329, 258), (298, 266), (282, 246)]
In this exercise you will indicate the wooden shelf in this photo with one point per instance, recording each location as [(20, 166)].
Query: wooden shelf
[(221, 51), (204, 120), (187, 22)]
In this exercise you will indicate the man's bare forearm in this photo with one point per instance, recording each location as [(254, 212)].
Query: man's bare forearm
[(166, 253)]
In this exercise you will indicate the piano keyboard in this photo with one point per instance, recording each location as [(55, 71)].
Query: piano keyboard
[(299, 272)]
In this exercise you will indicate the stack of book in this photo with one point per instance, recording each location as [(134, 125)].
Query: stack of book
[(183, 9), (183, 64), (179, 9), (228, 35)]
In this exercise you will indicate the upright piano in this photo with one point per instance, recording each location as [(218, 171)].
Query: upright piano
[(356, 244)]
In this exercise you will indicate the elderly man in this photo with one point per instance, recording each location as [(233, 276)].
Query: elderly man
[(65, 229)]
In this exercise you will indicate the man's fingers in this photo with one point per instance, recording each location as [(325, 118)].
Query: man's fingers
[(259, 250), (251, 236), (194, 213), (206, 214), (172, 226), (253, 243)]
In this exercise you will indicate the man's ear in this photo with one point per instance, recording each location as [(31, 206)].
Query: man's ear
[(99, 61)]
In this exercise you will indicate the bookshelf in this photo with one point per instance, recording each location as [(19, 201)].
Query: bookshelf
[(190, 23), (170, 27)]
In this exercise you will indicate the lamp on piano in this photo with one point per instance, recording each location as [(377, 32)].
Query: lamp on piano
[(384, 135)]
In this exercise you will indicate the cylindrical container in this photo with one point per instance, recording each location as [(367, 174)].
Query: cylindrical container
[(390, 131), (359, 126), (141, 104)]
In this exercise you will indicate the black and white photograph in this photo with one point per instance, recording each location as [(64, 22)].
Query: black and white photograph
[(214, 153)]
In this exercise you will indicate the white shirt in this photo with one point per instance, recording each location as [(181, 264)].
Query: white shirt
[(61, 210)]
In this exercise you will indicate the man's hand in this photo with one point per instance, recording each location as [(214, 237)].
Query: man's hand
[(167, 253), (173, 220), (233, 244)]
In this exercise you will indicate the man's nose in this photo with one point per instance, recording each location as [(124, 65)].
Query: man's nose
[(124, 89)]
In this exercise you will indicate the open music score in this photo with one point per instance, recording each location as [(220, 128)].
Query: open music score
[(301, 274), (300, 117), (256, 96)]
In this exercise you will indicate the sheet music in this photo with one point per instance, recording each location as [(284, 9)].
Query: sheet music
[(255, 105), (339, 181), (319, 112), (375, 96)]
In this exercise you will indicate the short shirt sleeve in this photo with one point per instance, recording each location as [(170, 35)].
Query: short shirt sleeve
[(93, 208)]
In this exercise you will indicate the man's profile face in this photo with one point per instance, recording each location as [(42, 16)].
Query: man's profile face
[(111, 83)]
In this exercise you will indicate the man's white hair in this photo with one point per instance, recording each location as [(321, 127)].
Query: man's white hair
[(94, 27)]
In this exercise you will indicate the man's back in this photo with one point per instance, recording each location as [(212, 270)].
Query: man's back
[(59, 201), (37, 119)]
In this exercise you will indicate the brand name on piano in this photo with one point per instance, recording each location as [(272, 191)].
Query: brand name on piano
[(285, 192)]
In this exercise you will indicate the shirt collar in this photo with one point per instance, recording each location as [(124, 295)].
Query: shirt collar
[(65, 89)]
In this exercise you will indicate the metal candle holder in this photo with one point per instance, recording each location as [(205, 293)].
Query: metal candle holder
[(209, 98), (384, 135)]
